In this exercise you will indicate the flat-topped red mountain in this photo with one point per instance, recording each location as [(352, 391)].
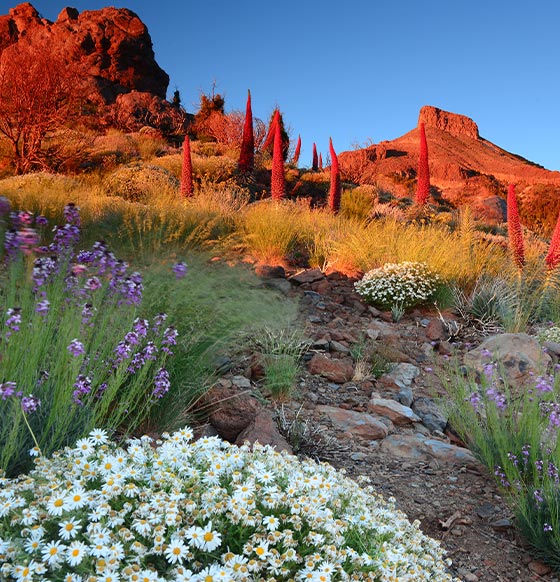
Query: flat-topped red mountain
[(464, 167)]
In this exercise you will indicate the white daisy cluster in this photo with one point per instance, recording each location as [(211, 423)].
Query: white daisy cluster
[(398, 285), (550, 334), (205, 511)]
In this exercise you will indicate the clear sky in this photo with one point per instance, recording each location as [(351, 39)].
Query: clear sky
[(359, 70)]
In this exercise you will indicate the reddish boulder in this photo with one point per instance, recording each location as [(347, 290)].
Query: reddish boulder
[(338, 371)]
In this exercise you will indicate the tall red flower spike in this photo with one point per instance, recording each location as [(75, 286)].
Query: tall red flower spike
[(315, 163), (514, 229), (277, 184), (187, 186), (247, 155), (270, 136), (423, 187), (321, 162), (552, 259), (335, 191), (297, 151)]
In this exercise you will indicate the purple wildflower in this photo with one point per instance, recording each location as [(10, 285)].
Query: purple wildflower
[(158, 320), (42, 307), (554, 419), (11, 244), (475, 400), (93, 283), (7, 389), (132, 338), (538, 496), (30, 404), (547, 527), (41, 221), (141, 326), (43, 269), (87, 313), (544, 384), (489, 370), (82, 388), (180, 269), (150, 351), (497, 397), (14, 319), (161, 383), (101, 390), (72, 214), (76, 348), (500, 473), (169, 339)]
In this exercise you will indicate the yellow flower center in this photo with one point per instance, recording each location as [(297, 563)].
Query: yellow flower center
[(75, 552), (58, 503), (176, 551), (208, 536), (259, 551)]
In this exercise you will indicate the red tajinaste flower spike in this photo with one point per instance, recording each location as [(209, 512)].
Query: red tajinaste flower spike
[(423, 187), (335, 191), (271, 130), (247, 155), (315, 162), (552, 259), (187, 186), (278, 183), (297, 151), (321, 162), (515, 232)]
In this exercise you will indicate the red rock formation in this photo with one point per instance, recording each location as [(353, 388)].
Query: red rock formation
[(464, 167), (110, 48), (453, 123)]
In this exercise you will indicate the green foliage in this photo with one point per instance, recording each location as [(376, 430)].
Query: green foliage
[(398, 286), (282, 352), (514, 432)]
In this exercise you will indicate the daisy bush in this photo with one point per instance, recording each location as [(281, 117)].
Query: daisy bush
[(203, 510), (401, 285), (75, 353)]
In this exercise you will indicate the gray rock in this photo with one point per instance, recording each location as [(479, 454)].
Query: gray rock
[(308, 276), (241, 382), (430, 414), (520, 358), (400, 377), (338, 347), (280, 285), (418, 448)]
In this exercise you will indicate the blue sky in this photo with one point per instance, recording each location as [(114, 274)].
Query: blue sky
[(360, 70)]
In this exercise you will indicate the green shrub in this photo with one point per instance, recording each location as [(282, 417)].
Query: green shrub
[(398, 285), (140, 182), (203, 510)]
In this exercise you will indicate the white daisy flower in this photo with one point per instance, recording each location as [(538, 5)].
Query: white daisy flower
[(99, 436), (176, 551), (58, 503), (53, 553), (76, 552), (210, 539), (69, 529)]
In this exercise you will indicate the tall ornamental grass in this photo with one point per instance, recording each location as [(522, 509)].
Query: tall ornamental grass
[(514, 432), (75, 354)]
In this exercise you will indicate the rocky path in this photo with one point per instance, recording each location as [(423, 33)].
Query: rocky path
[(366, 402)]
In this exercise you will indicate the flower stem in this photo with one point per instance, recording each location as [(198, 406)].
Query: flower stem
[(32, 433)]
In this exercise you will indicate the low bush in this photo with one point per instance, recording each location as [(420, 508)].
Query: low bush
[(398, 285), (204, 511), (140, 182)]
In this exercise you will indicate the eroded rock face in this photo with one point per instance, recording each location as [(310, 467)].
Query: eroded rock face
[(112, 46), (451, 122)]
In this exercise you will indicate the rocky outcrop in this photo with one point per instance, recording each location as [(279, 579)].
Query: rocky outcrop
[(446, 121), (110, 51)]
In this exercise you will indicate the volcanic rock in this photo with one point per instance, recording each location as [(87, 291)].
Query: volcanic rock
[(109, 49)]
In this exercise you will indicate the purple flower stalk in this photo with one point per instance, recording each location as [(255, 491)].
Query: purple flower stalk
[(30, 404), (42, 307), (72, 214), (180, 269), (76, 348), (82, 388), (161, 383), (7, 389), (141, 326), (4, 206)]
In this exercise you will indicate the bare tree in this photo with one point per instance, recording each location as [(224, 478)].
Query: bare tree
[(38, 96)]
